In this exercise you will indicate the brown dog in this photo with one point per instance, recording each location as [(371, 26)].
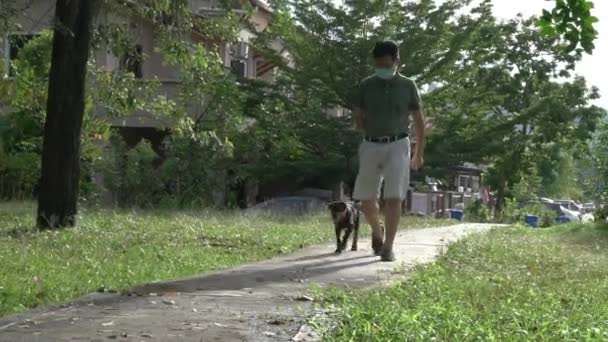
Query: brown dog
[(346, 218)]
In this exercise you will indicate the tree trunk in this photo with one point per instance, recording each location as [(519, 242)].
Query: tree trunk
[(500, 198), (59, 184)]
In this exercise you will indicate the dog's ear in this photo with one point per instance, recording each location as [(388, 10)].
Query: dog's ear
[(340, 206), (336, 206), (332, 206)]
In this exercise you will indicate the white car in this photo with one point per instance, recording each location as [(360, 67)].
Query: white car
[(572, 215)]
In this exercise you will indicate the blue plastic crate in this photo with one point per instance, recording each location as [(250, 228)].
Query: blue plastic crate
[(457, 214), (532, 220)]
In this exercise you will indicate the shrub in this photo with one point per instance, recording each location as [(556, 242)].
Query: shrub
[(19, 174), (546, 216), (193, 172), (196, 167), (478, 212), (515, 213), (601, 213), (511, 213), (130, 174)]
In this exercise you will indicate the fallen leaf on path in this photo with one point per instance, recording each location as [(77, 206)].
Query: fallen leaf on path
[(269, 333), (107, 324), (146, 335), (220, 325), (305, 299), (169, 302)]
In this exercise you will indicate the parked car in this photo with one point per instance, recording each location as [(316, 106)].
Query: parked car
[(569, 204), (589, 207)]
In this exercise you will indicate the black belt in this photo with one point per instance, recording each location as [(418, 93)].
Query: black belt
[(387, 139)]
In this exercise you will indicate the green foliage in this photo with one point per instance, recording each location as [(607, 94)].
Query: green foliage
[(19, 174), (528, 187), (488, 86), (192, 173), (515, 212), (196, 166), (601, 214), (478, 212), (557, 167), (512, 212), (22, 126), (130, 174), (329, 47), (512, 284), (546, 216), (504, 106), (593, 166), (573, 20)]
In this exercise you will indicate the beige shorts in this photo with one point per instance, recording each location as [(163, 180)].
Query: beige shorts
[(378, 161)]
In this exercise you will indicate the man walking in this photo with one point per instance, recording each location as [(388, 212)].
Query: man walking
[(383, 104)]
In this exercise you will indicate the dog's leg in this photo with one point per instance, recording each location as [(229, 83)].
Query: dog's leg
[(338, 243), (355, 234), (345, 238)]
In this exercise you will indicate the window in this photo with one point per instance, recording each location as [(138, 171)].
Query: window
[(16, 42), (210, 4), (238, 68), (132, 61), (465, 182)]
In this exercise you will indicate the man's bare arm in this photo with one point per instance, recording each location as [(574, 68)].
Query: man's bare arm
[(418, 116), (359, 118), (419, 126)]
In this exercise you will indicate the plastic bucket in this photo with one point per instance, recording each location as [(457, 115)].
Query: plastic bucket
[(457, 214), (532, 220)]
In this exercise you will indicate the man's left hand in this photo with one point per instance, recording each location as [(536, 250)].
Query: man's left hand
[(417, 160)]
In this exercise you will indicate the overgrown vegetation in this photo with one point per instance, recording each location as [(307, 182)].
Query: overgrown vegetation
[(490, 97), (115, 250), (512, 284)]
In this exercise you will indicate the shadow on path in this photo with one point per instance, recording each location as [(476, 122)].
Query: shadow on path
[(250, 277)]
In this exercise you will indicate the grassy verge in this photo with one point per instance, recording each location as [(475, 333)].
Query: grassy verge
[(512, 284), (119, 249)]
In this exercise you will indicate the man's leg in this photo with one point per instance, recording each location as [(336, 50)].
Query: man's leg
[(367, 188), (372, 215), (392, 215), (396, 183)]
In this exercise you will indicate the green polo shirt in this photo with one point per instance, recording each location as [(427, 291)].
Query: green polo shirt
[(387, 104)]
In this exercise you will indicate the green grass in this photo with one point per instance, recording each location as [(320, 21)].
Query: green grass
[(514, 284), (118, 249)]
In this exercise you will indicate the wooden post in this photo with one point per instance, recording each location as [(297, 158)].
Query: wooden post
[(446, 204)]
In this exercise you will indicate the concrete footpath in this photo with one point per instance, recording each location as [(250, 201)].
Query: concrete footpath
[(268, 301)]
